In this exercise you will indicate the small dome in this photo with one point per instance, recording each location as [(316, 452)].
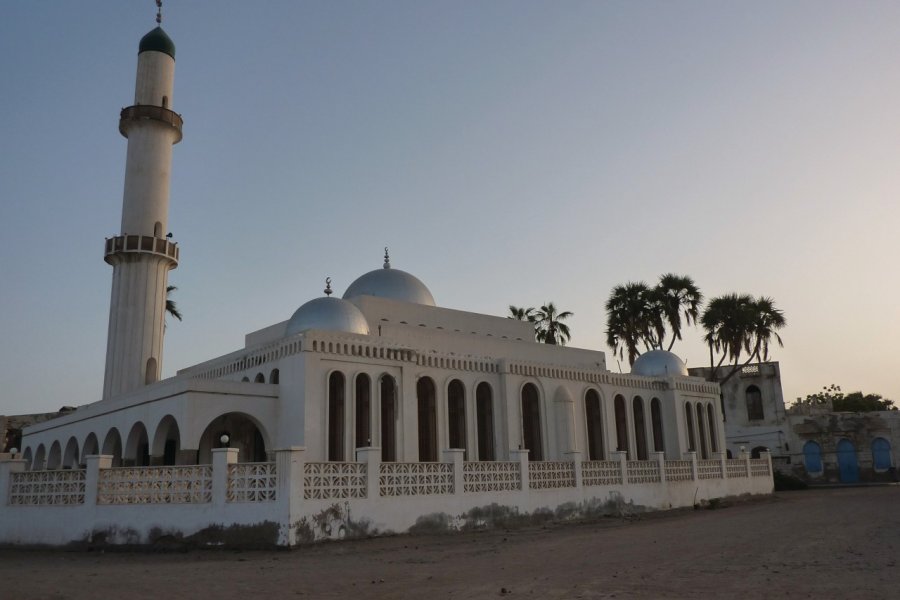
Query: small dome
[(159, 41), (659, 363), (330, 314)]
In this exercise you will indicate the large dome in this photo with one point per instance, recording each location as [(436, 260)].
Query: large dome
[(659, 363), (390, 283), (330, 314)]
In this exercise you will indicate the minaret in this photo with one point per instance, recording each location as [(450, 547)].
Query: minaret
[(143, 254)]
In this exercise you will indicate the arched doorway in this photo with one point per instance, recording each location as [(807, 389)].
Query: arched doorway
[(427, 404), (594, 418), (531, 422), (847, 464), (812, 458), (244, 433)]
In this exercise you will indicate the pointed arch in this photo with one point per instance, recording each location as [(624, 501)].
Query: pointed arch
[(91, 447), (40, 459), (71, 454), (112, 446), (54, 457), (137, 447)]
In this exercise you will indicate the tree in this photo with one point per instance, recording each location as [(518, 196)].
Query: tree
[(170, 304), (739, 325), (632, 318), (521, 314), (549, 327), (677, 295), (831, 395)]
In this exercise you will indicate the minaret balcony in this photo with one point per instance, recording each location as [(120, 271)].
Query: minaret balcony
[(145, 112), (140, 244)]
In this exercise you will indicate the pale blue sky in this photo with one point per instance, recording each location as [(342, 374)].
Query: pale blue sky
[(507, 152)]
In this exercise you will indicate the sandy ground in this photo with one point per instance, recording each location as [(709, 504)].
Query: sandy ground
[(837, 543)]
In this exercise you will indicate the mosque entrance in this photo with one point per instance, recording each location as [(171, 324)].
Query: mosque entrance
[(847, 464)]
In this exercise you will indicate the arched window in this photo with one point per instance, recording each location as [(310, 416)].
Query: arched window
[(363, 411), (881, 454), (754, 404), (456, 414), (711, 422), (640, 428), (54, 458), (704, 452), (40, 458), (388, 419), (273, 376), (812, 457), (112, 445), (427, 404), (728, 454), (244, 433), (689, 424), (260, 378), (336, 416), (531, 422), (484, 401), (621, 425), (757, 451), (70, 456), (656, 420), (167, 443), (151, 375), (245, 380), (594, 417), (157, 228), (137, 447)]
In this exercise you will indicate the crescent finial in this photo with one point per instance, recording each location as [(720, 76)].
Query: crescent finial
[(328, 286)]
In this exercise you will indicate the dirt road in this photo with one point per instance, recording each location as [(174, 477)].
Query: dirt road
[(839, 543)]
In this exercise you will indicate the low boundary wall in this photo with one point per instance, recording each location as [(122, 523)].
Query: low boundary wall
[(292, 501)]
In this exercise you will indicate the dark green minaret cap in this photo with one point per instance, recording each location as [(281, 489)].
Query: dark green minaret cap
[(159, 41)]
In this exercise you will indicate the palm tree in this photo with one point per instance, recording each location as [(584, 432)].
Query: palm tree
[(677, 293), (632, 319), (548, 325), (170, 304), (521, 314), (736, 324)]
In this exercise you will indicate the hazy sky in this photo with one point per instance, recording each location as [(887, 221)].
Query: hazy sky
[(507, 152)]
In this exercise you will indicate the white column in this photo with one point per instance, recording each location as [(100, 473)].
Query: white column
[(575, 458), (622, 457), (660, 458), (289, 466), (521, 456), (7, 468), (221, 458), (456, 457), (692, 456), (746, 457), (95, 463), (371, 456)]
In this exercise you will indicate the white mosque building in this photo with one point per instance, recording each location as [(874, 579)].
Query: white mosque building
[(376, 411)]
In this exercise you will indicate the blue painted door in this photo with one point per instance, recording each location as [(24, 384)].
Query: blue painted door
[(881, 454), (812, 456), (849, 468)]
